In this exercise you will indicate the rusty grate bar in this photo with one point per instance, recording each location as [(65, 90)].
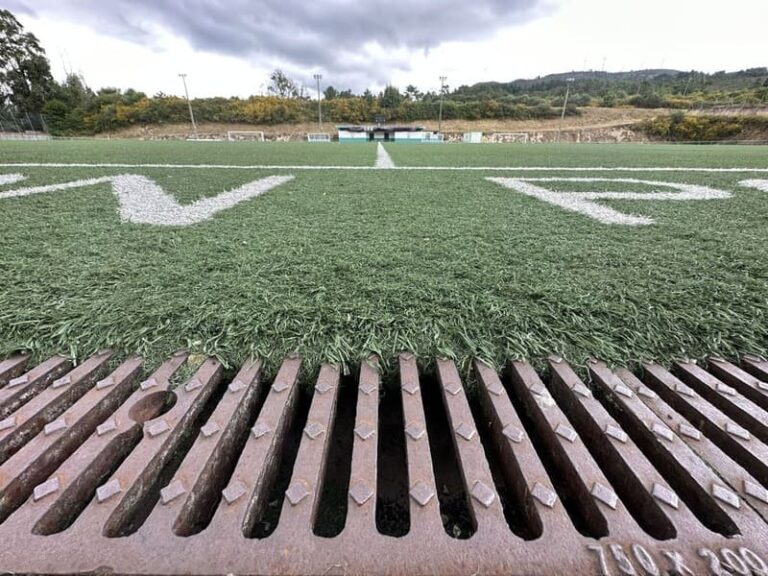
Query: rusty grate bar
[(518, 472)]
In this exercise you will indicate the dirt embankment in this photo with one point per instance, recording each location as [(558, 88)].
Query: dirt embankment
[(592, 125)]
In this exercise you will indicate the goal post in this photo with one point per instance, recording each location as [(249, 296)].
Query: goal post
[(318, 137), (245, 136)]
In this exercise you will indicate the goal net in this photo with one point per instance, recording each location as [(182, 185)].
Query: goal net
[(507, 137), (319, 137), (245, 136)]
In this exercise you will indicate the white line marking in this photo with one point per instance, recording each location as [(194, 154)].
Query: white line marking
[(761, 185), (584, 202), (11, 178), (142, 201), (383, 159), (405, 168)]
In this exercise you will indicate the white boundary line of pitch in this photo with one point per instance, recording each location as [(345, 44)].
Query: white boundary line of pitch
[(403, 168)]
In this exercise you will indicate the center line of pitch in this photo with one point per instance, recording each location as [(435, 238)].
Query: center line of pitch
[(383, 159)]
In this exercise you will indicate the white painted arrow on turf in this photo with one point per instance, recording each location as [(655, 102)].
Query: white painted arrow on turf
[(143, 201)]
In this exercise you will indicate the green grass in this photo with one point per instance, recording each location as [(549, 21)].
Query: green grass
[(336, 265)]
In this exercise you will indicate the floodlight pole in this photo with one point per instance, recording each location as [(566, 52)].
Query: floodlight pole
[(319, 77), (440, 114), (565, 103), (189, 103)]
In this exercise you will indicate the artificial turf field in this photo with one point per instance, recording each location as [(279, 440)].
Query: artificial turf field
[(345, 260)]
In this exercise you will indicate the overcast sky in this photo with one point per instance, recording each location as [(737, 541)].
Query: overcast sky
[(228, 47)]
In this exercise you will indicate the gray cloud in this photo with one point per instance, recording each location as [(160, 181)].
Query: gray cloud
[(328, 35)]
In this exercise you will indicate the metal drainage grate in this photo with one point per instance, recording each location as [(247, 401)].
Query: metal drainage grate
[(515, 474)]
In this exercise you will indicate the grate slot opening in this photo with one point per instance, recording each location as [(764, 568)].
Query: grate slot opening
[(141, 499), (637, 500), (66, 510), (455, 509), (331, 513), (516, 500), (579, 504), (738, 453), (393, 516), (265, 507), (205, 497), (679, 479), (748, 421), (755, 396)]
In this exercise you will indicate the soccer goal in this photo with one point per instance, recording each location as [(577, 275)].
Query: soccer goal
[(509, 137), (245, 136), (318, 137)]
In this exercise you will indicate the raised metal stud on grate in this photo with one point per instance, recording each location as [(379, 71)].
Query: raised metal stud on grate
[(724, 495), (736, 430), (513, 433), (322, 387), (422, 493), (466, 431), (236, 385), (756, 491), (566, 432), (149, 383), (538, 388), (415, 431), (209, 429), (105, 383), (280, 386), (582, 390), (55, 426), (616, 433), (495, 388), (368, 387), (157, 427), (46, 488), (544, 495), (605, 495), (314, 429), (483, 494), (172, 491), (106, 427), (684, 390), (623, 390), (63, 381), (360, 492), (234, 491), (689, 431), (297, 492), (411, 387), (108, 490), (23, 379), (725, 389), (647, 392), (193, 384), (453, 387), (8, 423), (260, 429), (365, 430), (664, 494), (663, 432)]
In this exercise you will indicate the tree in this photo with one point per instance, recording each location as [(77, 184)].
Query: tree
[(330, 93), (391, 97), (282, 86), (412, 93), (25, 74)]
